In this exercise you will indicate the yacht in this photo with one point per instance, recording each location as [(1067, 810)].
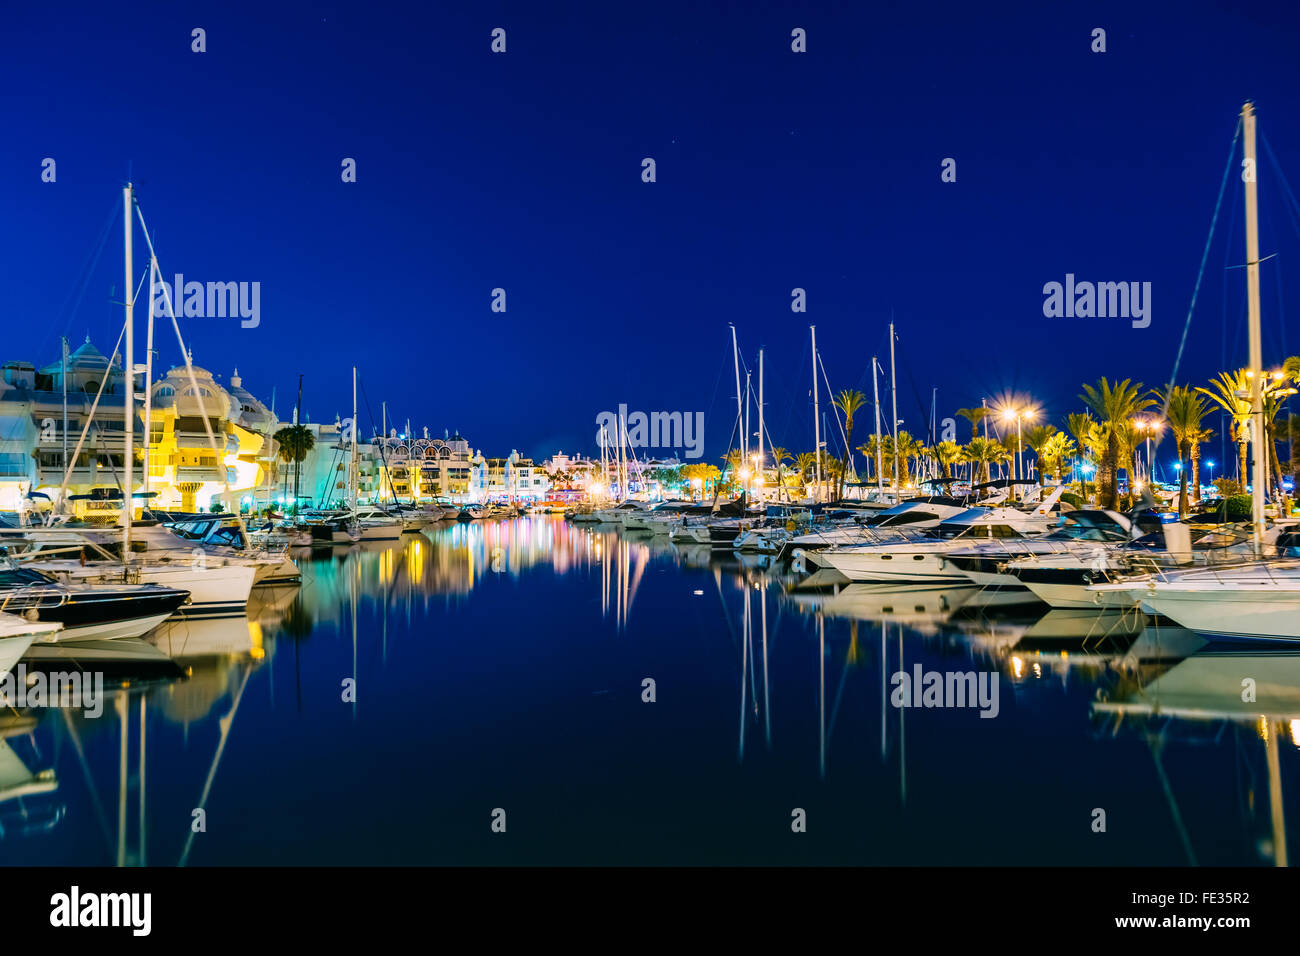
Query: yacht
[(1259, 600), (223, 541), (376, 524), (925, 557), (840, 528), (16, 635), (1069, 576), (217, 584), (1078, 534), (620, 512), (85, 611)]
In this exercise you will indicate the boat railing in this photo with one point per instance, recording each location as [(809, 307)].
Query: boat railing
[(26, 589), (1227, 572)]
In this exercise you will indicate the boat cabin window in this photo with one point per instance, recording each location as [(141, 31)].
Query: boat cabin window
[(907, 517), (21, 577)]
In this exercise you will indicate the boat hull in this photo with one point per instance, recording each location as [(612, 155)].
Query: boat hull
[(1258, 613)]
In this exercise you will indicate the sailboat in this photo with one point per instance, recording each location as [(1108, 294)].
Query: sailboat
[(214, 588), (1260, 600)]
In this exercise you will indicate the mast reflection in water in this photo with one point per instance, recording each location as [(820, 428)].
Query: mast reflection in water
[(504, 665)]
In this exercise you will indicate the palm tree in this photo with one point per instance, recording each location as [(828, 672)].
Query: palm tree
[(848, 401), (1293, 438), (1228, 391), (906, 449), (983, 452), (1080, 426), (1202, 435), (1115, 405), (1037, 437), (868, 451), (806, 463), (779, 455), (947, 454), (296, 443), (1184, 410), (1055, 450), (974, 416)]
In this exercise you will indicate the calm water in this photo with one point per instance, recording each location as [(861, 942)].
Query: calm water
[(501, 665)]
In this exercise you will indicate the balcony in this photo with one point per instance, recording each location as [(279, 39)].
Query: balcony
[(198, 473), (227, 443)]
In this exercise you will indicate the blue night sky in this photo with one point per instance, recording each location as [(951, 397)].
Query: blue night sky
[(775, 170)]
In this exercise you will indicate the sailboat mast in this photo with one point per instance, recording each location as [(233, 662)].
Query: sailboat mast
[(128, 407), (744, 445), (893, 397), (1260, 476), (875, 392), (740, 408), (148, 378), (622, 456), (355, 477), (64, 339), (817, 419), (761, 459)]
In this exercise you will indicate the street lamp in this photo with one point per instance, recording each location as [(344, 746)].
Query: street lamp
[(1019, 414), (1148, 426)]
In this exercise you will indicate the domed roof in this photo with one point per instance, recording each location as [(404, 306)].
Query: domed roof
[(253, 413), (175, 389), (84, 356)]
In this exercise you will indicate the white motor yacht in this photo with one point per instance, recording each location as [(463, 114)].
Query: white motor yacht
[(925, 557), (1259, 600)]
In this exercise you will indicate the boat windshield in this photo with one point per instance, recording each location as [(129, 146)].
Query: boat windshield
[(951, 529), (906, 517), (1079, 532), (21, 577)]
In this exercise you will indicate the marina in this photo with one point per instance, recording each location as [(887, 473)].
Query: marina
[(765, 696), (493, 457)]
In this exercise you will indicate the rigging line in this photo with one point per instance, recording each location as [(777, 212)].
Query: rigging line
[(1269, 340), (713, 400), (90, 417), (218, 454), (87, 271), (834, 406), (382, 457), (1205, 254), (1294, 206), (789, 409)]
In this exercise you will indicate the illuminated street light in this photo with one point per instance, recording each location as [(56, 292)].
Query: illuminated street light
[(1019, 415)]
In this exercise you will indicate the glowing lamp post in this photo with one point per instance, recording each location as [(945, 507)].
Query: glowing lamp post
[(1018, 415)]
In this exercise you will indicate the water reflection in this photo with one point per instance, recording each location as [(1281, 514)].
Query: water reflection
[(509, 656)]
